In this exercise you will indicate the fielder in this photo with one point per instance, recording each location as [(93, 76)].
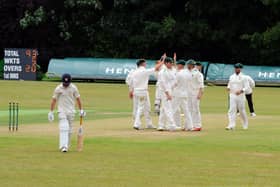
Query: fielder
[(166, 80), (195, 93), (249, 95), (237, 86), (65, 96), (180, 96), (139, 90), (157, 92), (128, 81)]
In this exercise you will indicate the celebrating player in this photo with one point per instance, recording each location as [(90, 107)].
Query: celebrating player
[(65, 95), (139, 90), (157, 91), (180, 96), (128, 81), (166, 83), (196, 93)]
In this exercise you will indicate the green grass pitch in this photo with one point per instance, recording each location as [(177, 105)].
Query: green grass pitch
[(116, 155)]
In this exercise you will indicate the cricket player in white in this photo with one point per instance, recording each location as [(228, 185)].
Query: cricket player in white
[(195, 94), (180, 96), (166, 80), (65, 96), (237, 86), (128, 81), (147, 104), (157, 93), (249, 95), (139, 85)]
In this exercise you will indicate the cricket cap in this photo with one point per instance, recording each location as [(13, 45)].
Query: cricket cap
[(140, 61), (191, 62), (168, 60), (198, 64), (182, 62), (238, 65), (66, 79)]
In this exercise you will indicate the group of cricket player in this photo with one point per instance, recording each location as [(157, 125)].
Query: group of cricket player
[(179, 89)]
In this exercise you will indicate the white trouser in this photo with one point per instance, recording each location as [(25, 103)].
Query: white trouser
[(157, 96), (142, 105), (178, 104), (166, 113), (194, 109), (134, 105), (65, 129), (147, 106), (237, 102)]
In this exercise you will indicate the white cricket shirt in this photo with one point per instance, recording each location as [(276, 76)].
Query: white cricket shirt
[(182, 85), (140, 80), (128, 80), (166, 80), (66, 98), (237, 83), (251, 84), (197, 82)]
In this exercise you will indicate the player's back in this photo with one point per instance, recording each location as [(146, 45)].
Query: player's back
[(140, 78), (182, 87)]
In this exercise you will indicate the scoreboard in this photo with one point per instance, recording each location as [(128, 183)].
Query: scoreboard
[(20, 64)]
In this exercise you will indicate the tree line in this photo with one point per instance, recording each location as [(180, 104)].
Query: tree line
[(246, 31)]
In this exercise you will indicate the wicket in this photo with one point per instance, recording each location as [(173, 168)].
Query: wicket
[(13, 116)]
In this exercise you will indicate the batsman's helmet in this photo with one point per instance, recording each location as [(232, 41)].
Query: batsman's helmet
[(66, 79)]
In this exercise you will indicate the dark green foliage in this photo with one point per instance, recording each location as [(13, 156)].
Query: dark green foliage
[(218, 31), (39, 73), (1, 68)]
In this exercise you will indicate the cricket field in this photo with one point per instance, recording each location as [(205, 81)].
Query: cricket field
[(116, 155)]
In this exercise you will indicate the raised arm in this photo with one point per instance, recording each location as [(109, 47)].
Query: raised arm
[(175, 58)]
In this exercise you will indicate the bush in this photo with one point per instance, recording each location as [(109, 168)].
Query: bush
[(39, 74), (1, 68)]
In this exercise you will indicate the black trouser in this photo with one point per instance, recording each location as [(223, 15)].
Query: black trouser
[(250, 102)]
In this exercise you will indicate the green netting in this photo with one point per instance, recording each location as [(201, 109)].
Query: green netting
[(117, 69), (222, 72), (96, 68)]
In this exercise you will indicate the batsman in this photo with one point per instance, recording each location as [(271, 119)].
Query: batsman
[(65, 95)]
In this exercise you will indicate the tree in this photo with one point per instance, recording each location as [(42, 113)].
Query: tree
[(218, 31), (266, 44)]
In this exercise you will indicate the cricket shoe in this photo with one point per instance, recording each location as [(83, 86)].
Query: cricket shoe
[(253, 114), (173, 128), (197, 129), (150, 127), (64, 150), (245, 128), (229, 128), (137, 128), (160, 129), (187, 129)]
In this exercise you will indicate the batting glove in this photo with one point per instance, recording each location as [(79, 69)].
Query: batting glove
[(51, 116), (82, 113)]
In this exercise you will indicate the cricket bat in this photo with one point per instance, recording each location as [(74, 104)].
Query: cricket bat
[(80, 138)]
